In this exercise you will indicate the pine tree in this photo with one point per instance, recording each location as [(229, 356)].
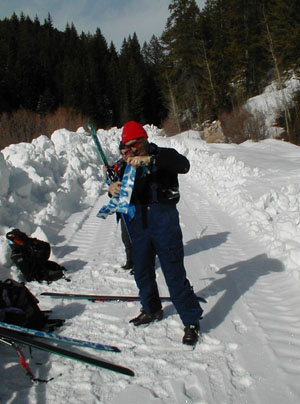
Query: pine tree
[(98, 76), (154, 58), (27, 67), (284, 23), (132, 70), (217, 40), (71, 69), (182, 73), (114, 86), (50, 56)]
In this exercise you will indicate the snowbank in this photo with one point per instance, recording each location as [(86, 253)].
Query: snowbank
[(45, 181)]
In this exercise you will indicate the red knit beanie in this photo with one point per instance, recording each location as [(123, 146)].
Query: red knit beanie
[(133, 130)]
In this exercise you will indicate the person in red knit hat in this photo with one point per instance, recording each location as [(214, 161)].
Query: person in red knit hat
[(132, 131), (155, 227)]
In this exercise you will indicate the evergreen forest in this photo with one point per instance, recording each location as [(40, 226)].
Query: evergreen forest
[(204, 66)]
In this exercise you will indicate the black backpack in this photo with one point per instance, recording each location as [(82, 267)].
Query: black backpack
[(31, 256), (18, 306)]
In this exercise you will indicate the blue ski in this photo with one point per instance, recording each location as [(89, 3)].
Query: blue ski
[(59, 338)]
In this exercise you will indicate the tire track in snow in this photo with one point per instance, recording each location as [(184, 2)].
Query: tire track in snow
[(87, 231), (211, 234), (277, 307), (268, 298), (92, 251)]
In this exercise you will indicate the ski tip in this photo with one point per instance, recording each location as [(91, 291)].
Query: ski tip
[(129, 372), (202, 299), (90, 128), (122, 370)]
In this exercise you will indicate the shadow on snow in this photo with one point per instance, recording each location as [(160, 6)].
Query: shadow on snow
[(237, 280), (205, 243)]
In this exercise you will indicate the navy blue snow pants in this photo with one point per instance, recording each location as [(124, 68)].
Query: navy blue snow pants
[(157, 227)]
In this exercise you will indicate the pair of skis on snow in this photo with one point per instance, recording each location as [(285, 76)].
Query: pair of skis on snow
[(13, 334)]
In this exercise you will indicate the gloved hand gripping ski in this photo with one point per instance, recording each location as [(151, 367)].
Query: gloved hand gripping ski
[(116, 204), (120, 204)]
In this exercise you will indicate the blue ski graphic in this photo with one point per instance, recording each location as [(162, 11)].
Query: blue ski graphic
[(59, 338)]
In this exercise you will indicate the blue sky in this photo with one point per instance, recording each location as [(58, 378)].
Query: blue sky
[(117, 19)]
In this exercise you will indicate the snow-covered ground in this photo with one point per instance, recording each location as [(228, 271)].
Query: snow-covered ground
[(239, 213)]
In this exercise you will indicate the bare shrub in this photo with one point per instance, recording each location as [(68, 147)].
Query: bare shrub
[(24, 125), (62, 118), (4, 131), (255, 128), (170, 127), (18, 127), (233, 125)]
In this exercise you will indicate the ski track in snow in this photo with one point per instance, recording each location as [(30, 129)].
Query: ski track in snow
[(251, 318)]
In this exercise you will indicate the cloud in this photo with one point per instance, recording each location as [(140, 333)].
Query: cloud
[(143, 17), (117, 19)]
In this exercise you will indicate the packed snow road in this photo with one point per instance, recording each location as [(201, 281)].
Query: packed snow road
[(239, 212), (248, 330)]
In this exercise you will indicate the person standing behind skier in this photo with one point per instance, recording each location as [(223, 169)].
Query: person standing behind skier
[(155, 225), (116, 169)]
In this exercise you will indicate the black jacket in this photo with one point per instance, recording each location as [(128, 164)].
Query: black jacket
[(158, 182)]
